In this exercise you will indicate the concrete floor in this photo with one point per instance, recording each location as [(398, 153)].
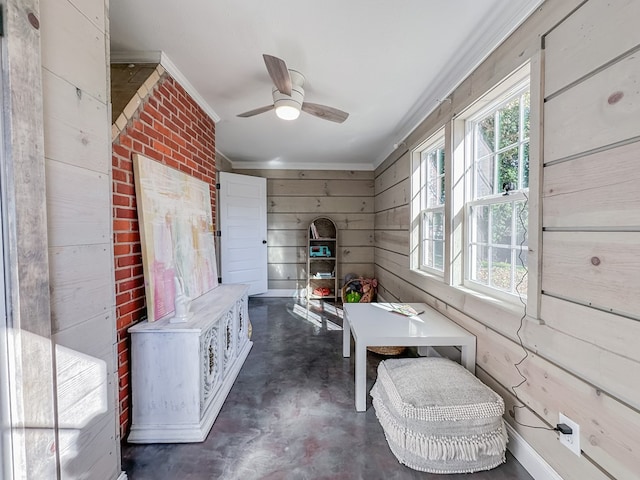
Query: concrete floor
[(291, 414)]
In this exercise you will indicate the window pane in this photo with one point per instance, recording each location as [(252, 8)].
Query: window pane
[(441, 161), (480, 266), (526, 102), (437, 226), (425, 238), (438, 254), (508, 169), (522, 222), (480, 224), (501, 216), (442, 191), (432, 169), (485, 136), (521, 273), (501, 268), (525, 165), (432, 194), (497, 225), (484, 178), (509, 124)]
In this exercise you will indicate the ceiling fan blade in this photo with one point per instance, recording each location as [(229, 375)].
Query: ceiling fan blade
[(256, 111), (279, 73), (324, 112)]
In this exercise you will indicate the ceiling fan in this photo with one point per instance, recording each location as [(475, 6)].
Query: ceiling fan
[(288, 95)]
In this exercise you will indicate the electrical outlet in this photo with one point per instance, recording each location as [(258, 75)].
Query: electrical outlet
[(572, 442)]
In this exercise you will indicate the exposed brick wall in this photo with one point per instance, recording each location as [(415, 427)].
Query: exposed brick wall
[(168, 126)]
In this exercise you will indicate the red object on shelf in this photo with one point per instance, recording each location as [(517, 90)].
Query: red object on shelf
[(322, 291)]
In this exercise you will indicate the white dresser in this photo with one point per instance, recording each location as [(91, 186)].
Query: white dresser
[(181, 373)]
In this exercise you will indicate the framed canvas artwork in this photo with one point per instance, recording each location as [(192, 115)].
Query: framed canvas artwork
[(176, 233)]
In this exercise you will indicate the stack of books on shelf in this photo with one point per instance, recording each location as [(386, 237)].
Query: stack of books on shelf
[(314, 231), (324, 275)]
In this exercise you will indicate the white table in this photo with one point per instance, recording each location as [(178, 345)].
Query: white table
[(373, 325)]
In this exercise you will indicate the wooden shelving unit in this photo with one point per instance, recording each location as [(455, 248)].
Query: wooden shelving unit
[(322, 259)]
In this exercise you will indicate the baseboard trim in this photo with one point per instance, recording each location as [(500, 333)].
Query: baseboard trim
[(283, 292), (531, 460), (123, 476)]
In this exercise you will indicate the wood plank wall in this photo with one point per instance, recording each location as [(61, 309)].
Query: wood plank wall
[(27, 350), (582, 350), (77, 146), (294, 198)]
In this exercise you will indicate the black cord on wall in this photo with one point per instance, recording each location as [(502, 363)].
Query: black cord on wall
[(522, 318)]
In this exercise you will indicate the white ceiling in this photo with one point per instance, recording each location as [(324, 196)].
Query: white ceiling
[(387, 63)]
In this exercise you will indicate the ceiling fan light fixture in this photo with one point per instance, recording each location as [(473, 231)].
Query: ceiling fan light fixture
[(287, 110), (288, 106)]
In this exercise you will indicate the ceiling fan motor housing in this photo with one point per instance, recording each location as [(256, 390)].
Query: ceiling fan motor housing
[(282, 101)]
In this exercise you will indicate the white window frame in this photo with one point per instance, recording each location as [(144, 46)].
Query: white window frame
[(422, 207), (496, 101)]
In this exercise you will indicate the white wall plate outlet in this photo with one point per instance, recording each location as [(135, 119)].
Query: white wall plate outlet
[(572, 442)]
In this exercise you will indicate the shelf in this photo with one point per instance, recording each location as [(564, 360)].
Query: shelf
[(322, 237)]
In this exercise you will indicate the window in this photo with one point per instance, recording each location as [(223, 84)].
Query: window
[(428, 205), (498, 180)]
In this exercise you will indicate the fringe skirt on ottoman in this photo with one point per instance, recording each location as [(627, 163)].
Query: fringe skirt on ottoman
[(438, 417)]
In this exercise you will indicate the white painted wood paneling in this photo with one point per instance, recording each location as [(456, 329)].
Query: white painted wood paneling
[(286, 238), (74, 50), (88, 337), (90, 452), (396, 173), (393, 219), (345, 221), (596, 33), (602, 110), (68, 30), (396, 241), (395, 196), (75, 132), (599, 190), (606, 330), (82, 286), (329, 188), (599, 269), (356, 238), (564, 462), (356, 254), (286, 254), (309, 174), (72, 211), (94, 11), (320, 204)]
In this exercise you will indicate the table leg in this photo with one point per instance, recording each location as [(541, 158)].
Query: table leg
[(468, 356), (361, 377), (346, 337)]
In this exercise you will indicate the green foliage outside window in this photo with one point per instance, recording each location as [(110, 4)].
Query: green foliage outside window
[(498, 243)]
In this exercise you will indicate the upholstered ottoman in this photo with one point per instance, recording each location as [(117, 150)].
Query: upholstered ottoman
[(438, 417)]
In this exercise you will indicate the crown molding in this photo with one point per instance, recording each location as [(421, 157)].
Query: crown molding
[(171, 68), (499, 25), (242, 165)]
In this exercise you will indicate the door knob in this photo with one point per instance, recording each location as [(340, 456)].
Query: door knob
[(264, 241)]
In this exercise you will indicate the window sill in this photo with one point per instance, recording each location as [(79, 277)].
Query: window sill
[(515, 308), (432, 275)]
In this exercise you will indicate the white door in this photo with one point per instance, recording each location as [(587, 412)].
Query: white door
[(243, 226)]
